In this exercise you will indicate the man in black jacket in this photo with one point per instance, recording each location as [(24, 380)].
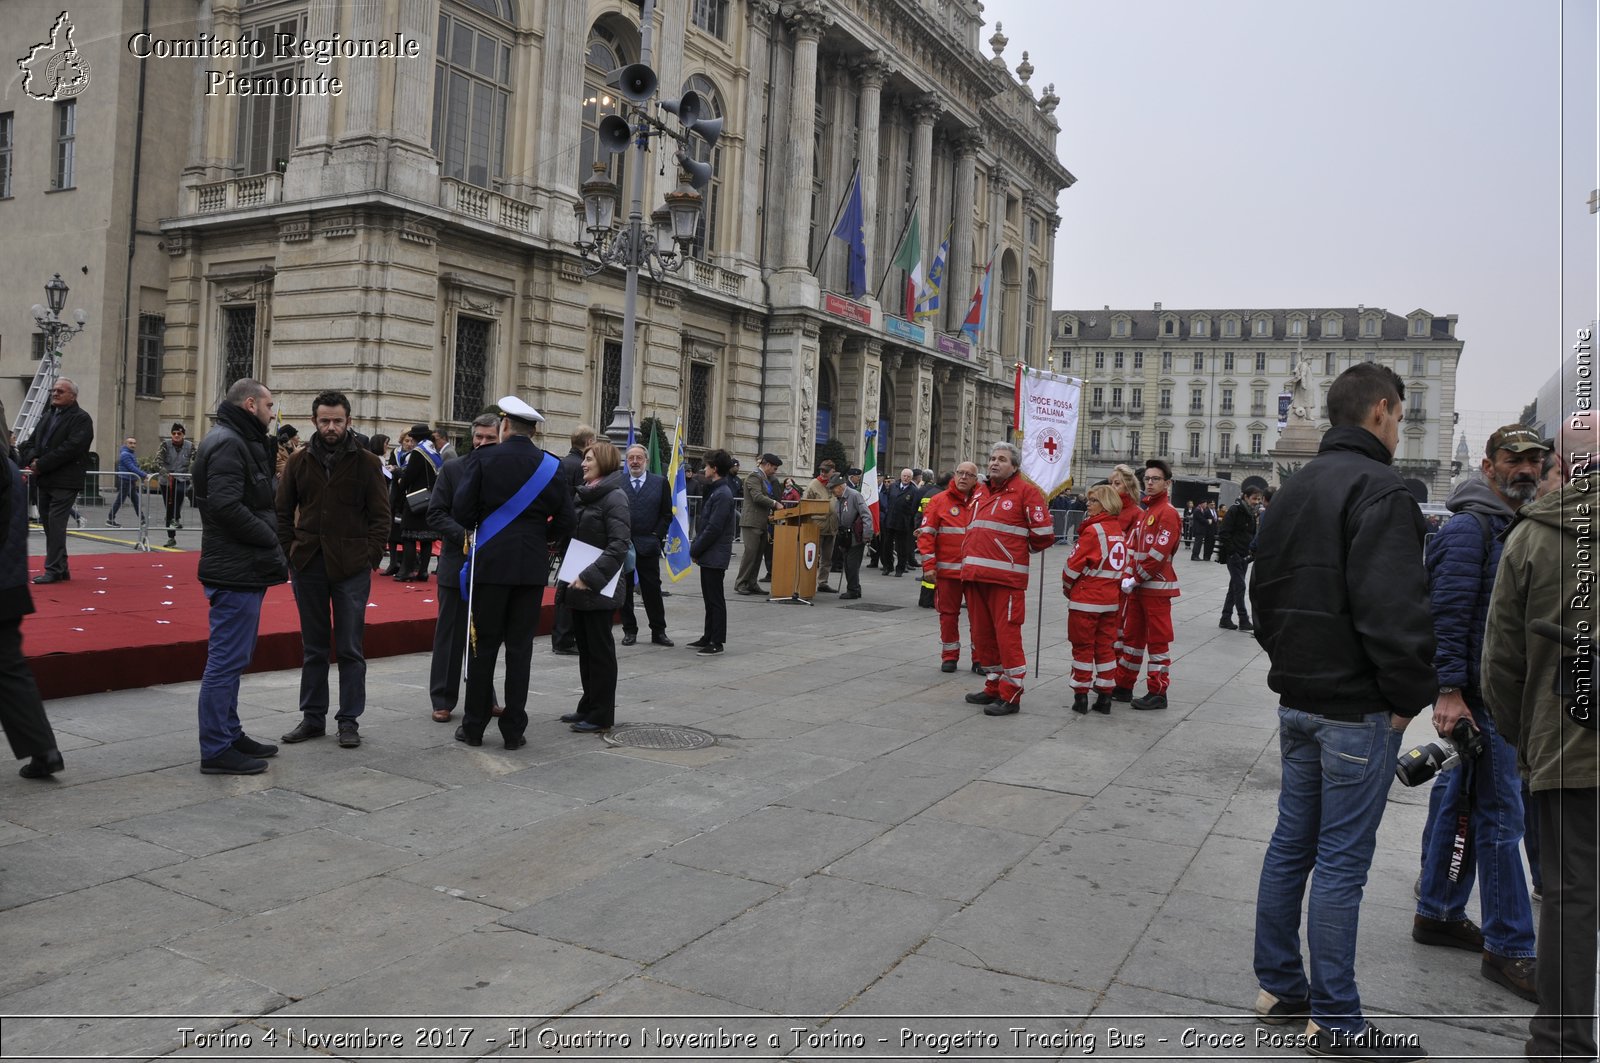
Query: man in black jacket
[(450, 631), (1341, 603), (233, 488), (21, 709), (509, 569), (1238, 533), (650, 506), (57, 453)]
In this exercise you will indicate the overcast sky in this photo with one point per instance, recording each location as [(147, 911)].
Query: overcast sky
[(1281, 153)]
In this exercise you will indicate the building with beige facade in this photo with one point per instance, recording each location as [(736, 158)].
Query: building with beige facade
[(1201, 388), (410, 238)]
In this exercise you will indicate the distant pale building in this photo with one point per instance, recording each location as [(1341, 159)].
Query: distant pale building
[(1201, 388)]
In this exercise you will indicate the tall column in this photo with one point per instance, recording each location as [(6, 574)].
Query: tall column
[(808, 23), (959, 276), (743, 243), (1034, 356), (362, 83), (999, 184), (872, 70), (924, 112), (413, 78), (559, 110)]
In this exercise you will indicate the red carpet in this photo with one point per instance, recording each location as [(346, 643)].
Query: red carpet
[(136, 620)]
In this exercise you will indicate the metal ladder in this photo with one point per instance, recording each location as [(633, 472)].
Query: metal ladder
[(38, 397)]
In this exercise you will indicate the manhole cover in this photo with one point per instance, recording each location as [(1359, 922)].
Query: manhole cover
[(659, 736), (874, 607)]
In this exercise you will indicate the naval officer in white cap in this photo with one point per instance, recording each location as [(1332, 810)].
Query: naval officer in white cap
[(517, 506)]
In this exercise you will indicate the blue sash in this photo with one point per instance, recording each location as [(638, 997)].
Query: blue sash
[(509, 511)]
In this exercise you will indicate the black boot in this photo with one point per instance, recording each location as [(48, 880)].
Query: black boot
[(1080, 704)]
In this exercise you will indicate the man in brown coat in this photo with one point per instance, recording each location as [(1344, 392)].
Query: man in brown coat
[(333, 523)]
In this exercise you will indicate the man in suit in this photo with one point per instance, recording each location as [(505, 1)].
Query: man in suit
[(56, 454), (761, 500), (898, 506), (817, 490), (509, 566), (562, 638), (650, 504), (450, 633)]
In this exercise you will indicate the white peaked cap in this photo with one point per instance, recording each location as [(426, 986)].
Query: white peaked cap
[(515, 408)]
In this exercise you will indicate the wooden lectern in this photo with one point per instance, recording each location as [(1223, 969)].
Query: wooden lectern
[(796, 547)]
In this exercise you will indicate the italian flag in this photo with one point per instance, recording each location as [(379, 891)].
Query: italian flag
[(909, 258), (869, 477)]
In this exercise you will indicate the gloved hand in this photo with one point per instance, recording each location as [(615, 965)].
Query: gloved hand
[(1127, 585)]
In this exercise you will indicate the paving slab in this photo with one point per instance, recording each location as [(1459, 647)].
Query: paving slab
[(779, 762), (1021, 809), (101, 1007), (71, 860), (363, 788), (809, 949), (591, 776), (697, 800), (374, 923), (279, 871), (743, 847), (1081, 760), (882, 790), (1156, 815), (851, 740), (935, 857), (449, 819), (643, 910), (526, 865), (1076, 860), (230, 822)]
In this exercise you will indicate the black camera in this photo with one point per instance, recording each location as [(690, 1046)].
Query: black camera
[(1417, 766)]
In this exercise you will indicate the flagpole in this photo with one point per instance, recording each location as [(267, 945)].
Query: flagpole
[(904, 228), (855, 175)]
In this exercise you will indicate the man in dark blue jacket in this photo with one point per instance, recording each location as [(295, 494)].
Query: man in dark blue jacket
[(234, 488), (1340, 598), (450, 631), (508, 570), (21, 709), (650, 506), (1462, 560)]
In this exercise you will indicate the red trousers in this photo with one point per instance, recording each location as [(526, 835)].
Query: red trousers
[(947, 600), (996, 614), (1146, 625), (1094, 654)]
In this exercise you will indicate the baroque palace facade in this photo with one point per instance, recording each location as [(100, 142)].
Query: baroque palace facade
[(410, 241), (1201, 388)]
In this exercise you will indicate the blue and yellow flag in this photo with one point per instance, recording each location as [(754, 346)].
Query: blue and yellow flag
[(676, 548)]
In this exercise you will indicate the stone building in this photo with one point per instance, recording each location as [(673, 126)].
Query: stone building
[(410, 239), (1201, 388)]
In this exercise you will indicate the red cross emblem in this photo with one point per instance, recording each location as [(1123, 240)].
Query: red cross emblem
[(1050, 446)]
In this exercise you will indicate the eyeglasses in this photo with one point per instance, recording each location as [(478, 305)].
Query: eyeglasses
[(60, 391)]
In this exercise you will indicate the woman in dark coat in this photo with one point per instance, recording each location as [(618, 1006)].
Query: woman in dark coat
[(419, 473), (604, 522), (713, 549)]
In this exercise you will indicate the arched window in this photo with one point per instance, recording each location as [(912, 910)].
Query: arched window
[(472, 90), (705, 234), (606, 54), (827, 390), (1029, 353)]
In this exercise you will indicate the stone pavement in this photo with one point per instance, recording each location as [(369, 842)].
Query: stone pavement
[(860, 856)]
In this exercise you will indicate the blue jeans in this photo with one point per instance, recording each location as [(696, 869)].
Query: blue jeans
[(235, 619), (128, 490), (346, 603), (1336, 777), (1495, 833)]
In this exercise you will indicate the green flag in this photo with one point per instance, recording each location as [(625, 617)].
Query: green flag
[(655, 451)]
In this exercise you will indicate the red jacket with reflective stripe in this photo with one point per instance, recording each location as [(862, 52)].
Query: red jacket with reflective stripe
[(1008, 523), (942, 538), (1092, 577), (1128, 519), (1154, 543)]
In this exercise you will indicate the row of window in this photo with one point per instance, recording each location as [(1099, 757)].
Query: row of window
[(1229, 365), (1260, 327), (1164, 444), (63, 172), (1097, 399)]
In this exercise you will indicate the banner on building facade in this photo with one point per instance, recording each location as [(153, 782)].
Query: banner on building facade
[(1284, 402), (1046, 416)]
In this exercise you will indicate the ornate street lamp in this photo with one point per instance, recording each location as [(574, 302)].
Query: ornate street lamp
[(664, 245)]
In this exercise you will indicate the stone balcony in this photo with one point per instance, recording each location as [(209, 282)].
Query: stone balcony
[(236, 193), (485, 205)]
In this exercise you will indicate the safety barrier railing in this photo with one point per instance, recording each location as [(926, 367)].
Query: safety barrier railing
[(112, 502)]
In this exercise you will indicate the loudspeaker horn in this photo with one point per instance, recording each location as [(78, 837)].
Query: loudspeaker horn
[(708, 128), (615, 133), (686, 107), (699, 172), (636, 82)]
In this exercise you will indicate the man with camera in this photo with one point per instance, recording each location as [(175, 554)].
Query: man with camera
[(1475, 812), (1542, 694), (1340, 602)]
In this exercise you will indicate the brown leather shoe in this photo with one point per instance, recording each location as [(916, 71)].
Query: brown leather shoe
[(1447, 933), (1516, 974), (441, 715)]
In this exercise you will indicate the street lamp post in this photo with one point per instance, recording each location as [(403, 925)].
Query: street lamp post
[(664, 247), (57, 333)]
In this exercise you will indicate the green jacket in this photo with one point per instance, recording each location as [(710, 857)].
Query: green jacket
[(1539, 578)]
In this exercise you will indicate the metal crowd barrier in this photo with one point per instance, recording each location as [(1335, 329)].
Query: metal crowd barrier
[(112, 502)]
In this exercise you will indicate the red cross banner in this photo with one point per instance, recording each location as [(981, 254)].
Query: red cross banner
[(1046, 412)]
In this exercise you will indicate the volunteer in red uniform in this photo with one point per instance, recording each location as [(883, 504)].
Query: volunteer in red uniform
[(941, 542), (1010, 521), (1092, 581), (1129, 490), (1152, 586)]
